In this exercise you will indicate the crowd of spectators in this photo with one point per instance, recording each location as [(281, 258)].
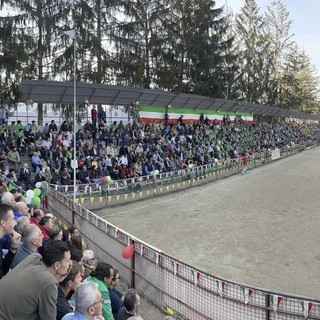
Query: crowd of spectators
[(131, 150), (43, 265), (33, 242)]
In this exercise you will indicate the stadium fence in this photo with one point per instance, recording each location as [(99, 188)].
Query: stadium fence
[(171, 284)]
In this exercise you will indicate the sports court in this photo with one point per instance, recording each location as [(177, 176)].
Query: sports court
[(261, 229)]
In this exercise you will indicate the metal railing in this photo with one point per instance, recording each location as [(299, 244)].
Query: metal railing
[(173, 285), (98, 195), (19, 188)]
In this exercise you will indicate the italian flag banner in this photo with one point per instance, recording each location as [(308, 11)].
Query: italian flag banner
[(156, 257), (306, 307), (157, 114), (247, 293), (220, 286), (195, 276), (275, 301), (175, 266)]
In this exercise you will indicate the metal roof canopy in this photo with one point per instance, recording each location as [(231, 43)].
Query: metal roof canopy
[(42, 91)]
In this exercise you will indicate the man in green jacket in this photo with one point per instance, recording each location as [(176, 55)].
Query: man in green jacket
[(102, 277)]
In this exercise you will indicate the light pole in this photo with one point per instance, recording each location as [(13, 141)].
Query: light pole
[(72, 35)]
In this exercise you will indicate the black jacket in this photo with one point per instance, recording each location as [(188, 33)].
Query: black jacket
[(5, 262)]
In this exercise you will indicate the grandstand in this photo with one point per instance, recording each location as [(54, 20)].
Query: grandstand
[(170, 279)]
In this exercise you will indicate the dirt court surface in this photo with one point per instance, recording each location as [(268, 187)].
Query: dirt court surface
[(260, 229)]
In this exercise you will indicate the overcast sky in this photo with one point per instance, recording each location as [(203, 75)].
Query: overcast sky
[(305, 16)]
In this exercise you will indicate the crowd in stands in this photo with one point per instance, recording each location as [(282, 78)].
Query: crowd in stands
[(51, 274), (131, 150)]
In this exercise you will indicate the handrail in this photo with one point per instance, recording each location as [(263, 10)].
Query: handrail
[(122, 183), (9, 181)]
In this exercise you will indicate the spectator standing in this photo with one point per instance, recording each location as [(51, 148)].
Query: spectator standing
[(244, 164), (45, 129), (102, 115), (64, 127), (34, 284), (53, 127), (94, 116), (13, 158), (27, 129)]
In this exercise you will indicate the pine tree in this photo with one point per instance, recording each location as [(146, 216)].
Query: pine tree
[(231, 66), (195, 54), (136, 36), (254, 56), (299, 83), (206, 50), (38, 23), (12, 57), (278, 34)]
